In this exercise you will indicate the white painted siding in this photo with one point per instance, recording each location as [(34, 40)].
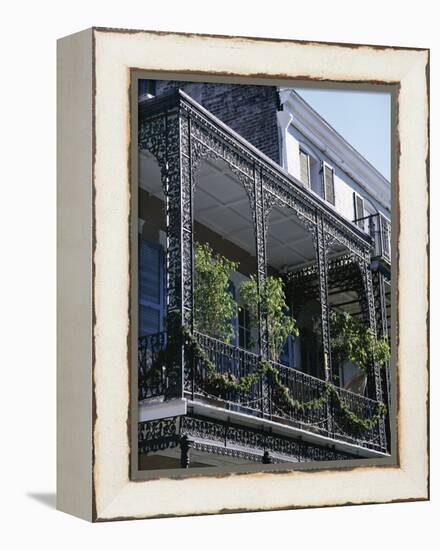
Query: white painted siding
[(344, 184)]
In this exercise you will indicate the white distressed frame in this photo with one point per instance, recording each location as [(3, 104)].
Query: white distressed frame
[(94, 208)]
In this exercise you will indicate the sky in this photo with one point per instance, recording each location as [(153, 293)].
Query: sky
[(362, 118)]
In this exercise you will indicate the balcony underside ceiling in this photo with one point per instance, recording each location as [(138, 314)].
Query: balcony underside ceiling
[(222, 205)]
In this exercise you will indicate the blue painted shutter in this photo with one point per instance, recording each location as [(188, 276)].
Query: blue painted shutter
[(151, 288)]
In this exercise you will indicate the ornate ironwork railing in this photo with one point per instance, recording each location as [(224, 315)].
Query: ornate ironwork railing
[(231, 361), (379, 228), (344, 430), (151, 367), (180, 134), (305, 389), (323, 416)]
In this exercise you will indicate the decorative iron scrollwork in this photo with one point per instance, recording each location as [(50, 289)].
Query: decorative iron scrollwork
[(229, 440), (180, 135)]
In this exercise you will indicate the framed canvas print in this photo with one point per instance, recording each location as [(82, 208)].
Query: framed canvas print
[(243, 259)]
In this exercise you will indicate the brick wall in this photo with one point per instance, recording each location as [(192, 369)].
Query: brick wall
[(249, 110)]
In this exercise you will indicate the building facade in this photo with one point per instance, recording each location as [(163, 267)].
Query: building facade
[(254, 173)]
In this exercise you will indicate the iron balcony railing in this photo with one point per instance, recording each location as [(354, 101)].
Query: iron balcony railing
[(379, 228), (261, 399), (326, 419), (152, 379), (230, 361)]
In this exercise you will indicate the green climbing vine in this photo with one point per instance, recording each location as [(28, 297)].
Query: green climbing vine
[(351, 341), (214, 306), (269, 300), (365, 423), (226, 382)]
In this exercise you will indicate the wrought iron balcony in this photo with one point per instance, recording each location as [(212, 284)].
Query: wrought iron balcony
[(262, 399), (179, 140), (379, 228)]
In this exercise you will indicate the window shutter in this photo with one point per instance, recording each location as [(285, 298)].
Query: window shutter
[(329, 184), (151, 288), (359, 210), (304, 168)]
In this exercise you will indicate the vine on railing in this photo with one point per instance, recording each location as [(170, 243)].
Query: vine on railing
[(365, 423), (227, 382)]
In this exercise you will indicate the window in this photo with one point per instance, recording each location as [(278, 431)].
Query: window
[(304, 165), (328, 183), (241, 324), (359, 211), (244, 330), (287, 355), (151, 288)]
